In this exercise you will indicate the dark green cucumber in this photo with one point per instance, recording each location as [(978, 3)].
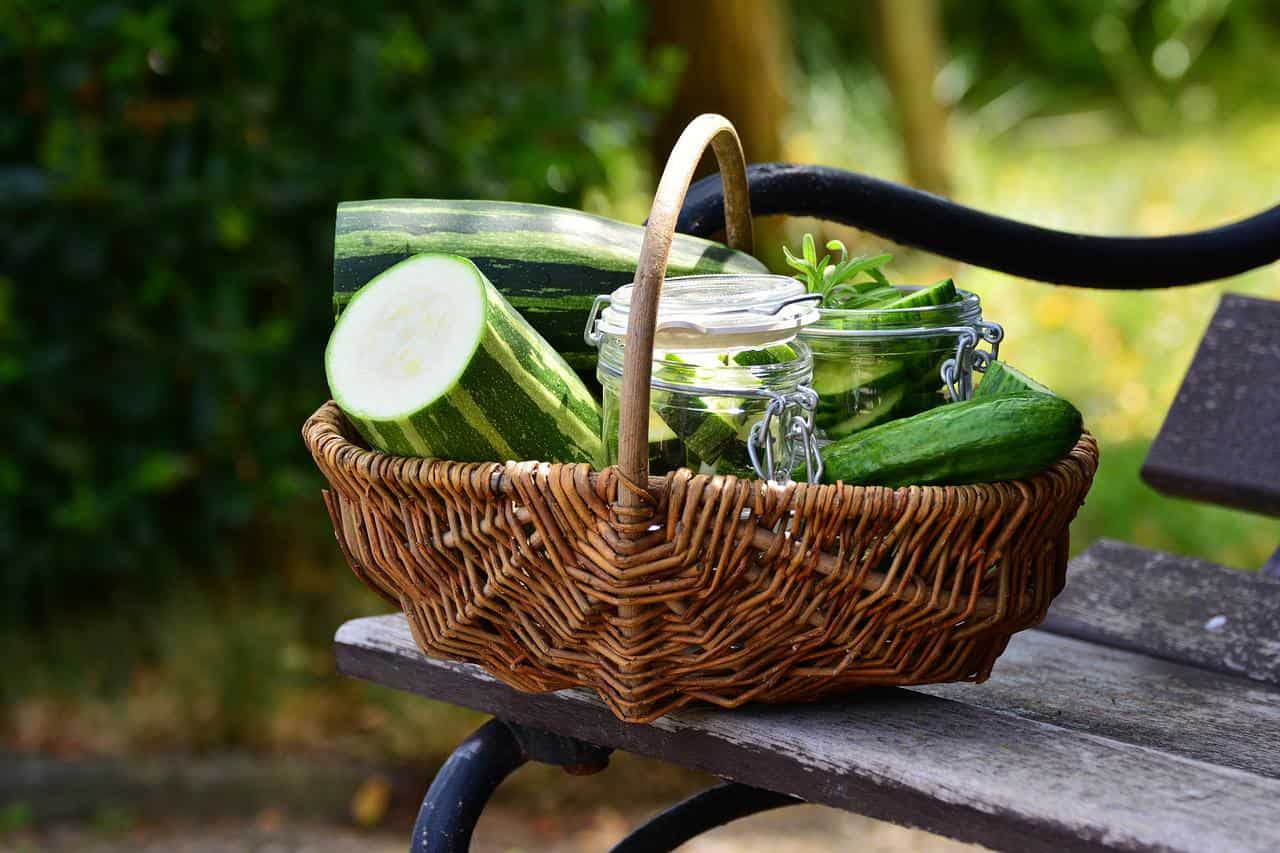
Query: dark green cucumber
[(549, 262), (1003, 378), (986, 440)]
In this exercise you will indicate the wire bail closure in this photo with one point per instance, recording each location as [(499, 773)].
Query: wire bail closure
[(592, 335), (957, 371), (801, 439)]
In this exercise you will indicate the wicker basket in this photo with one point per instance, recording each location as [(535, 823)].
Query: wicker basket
[(657, 591)]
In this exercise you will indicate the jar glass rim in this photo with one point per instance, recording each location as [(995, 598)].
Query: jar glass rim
[(732, 379), (743, 308), (834, 321)]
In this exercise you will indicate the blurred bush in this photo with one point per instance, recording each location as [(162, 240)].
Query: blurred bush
[(1162, 62), (168, 175), (1155, 64)]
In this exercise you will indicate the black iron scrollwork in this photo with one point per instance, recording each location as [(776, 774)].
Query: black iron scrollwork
[(938, 225)]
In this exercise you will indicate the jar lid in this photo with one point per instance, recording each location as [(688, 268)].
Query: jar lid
[(701, 311)]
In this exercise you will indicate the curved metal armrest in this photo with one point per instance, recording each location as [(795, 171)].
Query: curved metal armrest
[(938, 225)]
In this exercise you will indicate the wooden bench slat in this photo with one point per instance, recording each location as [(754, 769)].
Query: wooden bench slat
[(975, 773), (1218, 442), (1172, 607), (1133, 698)]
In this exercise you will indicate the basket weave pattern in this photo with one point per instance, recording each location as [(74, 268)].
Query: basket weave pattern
[(737, 591), (658, 591)]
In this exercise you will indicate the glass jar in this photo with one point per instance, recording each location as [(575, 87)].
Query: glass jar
[(871, 366), (729, 387)]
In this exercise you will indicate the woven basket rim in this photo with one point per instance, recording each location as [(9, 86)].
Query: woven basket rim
[(331, 423), (417, 530)]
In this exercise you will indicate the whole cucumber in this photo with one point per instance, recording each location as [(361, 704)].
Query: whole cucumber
[(985, 440)]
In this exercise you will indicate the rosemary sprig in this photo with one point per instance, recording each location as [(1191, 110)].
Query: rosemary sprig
[(838, 283)]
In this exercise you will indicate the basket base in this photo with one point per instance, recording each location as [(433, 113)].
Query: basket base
[(724, 591)]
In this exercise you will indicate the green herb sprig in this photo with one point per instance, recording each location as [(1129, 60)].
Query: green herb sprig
[(838, 282)]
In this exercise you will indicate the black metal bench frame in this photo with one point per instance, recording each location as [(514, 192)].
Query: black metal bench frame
[(462, 787)]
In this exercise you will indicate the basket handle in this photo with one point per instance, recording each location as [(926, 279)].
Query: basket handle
[(633, 417)]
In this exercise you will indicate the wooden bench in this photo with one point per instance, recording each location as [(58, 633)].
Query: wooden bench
[(1074, 744), (1218, 442), (1143, 715)]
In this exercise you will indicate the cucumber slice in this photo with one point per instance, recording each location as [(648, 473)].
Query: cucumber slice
[(429, 359), (727, 467), (712, 435), (708, 425), (775, 354), (885, 408), (665, 451), (735, 462), (942, 293), (834, 377), (1004, 378), (659, 431), (926, 372)]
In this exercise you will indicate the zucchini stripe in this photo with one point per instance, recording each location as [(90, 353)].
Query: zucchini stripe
[(551, 262), (542, 361), (473, 417), (417, 443)]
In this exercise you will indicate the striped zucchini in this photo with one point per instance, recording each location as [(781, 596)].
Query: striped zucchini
[(549, 262), (429, 359)]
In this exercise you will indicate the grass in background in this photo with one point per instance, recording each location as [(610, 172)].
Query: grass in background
[(1120, 357)]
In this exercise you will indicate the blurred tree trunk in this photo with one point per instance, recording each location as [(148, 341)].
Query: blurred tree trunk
[(910, 39), (737, 57), (736, 61)]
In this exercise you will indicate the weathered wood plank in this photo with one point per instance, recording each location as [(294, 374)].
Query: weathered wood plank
[(1133, 698), (1172, 607), (973, 773), (1218, 442), (1271, 568)]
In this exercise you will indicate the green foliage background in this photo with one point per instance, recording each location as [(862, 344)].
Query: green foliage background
[(169, 170), (168, 175)]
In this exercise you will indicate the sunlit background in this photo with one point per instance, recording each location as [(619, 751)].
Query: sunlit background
[(168, 174)]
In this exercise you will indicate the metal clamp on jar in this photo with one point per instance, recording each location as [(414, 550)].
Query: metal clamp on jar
[(730, 389)]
